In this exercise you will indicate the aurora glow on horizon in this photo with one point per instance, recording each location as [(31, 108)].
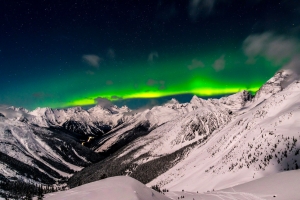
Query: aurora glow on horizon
[(71, 53)]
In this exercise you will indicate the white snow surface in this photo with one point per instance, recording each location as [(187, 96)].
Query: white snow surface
[(89, 119), (18, 140), (115, 188), (262, 138), (280, 186), (172, 126), (246, 140)]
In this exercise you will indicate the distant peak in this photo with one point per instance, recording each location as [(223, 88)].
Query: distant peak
[(77, 108), (277, 83), (18, 109), (173, 101), (195, 99)]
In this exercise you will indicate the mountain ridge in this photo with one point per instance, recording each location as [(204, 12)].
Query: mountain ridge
[(222, 142)]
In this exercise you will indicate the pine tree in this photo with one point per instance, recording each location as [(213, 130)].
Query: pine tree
[(40, 196), (28, 196), (40, 193)]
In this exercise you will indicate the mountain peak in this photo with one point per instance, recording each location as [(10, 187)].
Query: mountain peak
[(18, 109), (172, 102), (76, 109), (236, 101), (277, 83), (40, 111), (194, 99)]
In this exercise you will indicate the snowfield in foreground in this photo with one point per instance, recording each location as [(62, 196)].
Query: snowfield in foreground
[(119, 187), (281, 186)]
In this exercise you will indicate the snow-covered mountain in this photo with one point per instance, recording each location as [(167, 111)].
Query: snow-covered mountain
[(197, 146), (94, 122), (214, 143), (158, 138), (38, 155), (261, 139)]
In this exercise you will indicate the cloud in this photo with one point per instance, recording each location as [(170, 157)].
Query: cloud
[(270, 46), (41, 95), (294, 66), (196, 64), (197, 7), (152, 56), (114, 97), (109, 82), (92, 60), (151, 103), (219, 64), (103, 102), (89, 72), (161, 84), (111, 54), (280, 49), (151, 82)]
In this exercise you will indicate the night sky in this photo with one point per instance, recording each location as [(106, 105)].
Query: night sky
[(62, 53)]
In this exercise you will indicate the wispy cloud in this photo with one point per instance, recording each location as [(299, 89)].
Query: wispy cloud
[(152, 56), (196, 64), (294, 64), (219, 64), (109, 82), (111, 54), (42, 95), (89, 72), (279, 49), (270, 46), (104, 103), (92, 60), (151, 103), (197, 7), (160, 84), (151, 82), (115, 97)]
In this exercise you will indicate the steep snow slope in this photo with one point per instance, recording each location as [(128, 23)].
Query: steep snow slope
[(39, 155), (170, 127), (115, 188), (264, 140), (236, 101), (148, 120), (155, 140)]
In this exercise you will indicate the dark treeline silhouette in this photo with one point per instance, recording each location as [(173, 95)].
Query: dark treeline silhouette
[(15, 189)]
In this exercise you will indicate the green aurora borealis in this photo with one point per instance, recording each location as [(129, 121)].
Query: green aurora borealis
[(70, 53), (163, 77)]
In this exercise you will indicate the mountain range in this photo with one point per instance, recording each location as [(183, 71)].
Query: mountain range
[(200, 146)]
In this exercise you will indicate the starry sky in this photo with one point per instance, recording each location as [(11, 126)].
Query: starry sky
[(63, 53)]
